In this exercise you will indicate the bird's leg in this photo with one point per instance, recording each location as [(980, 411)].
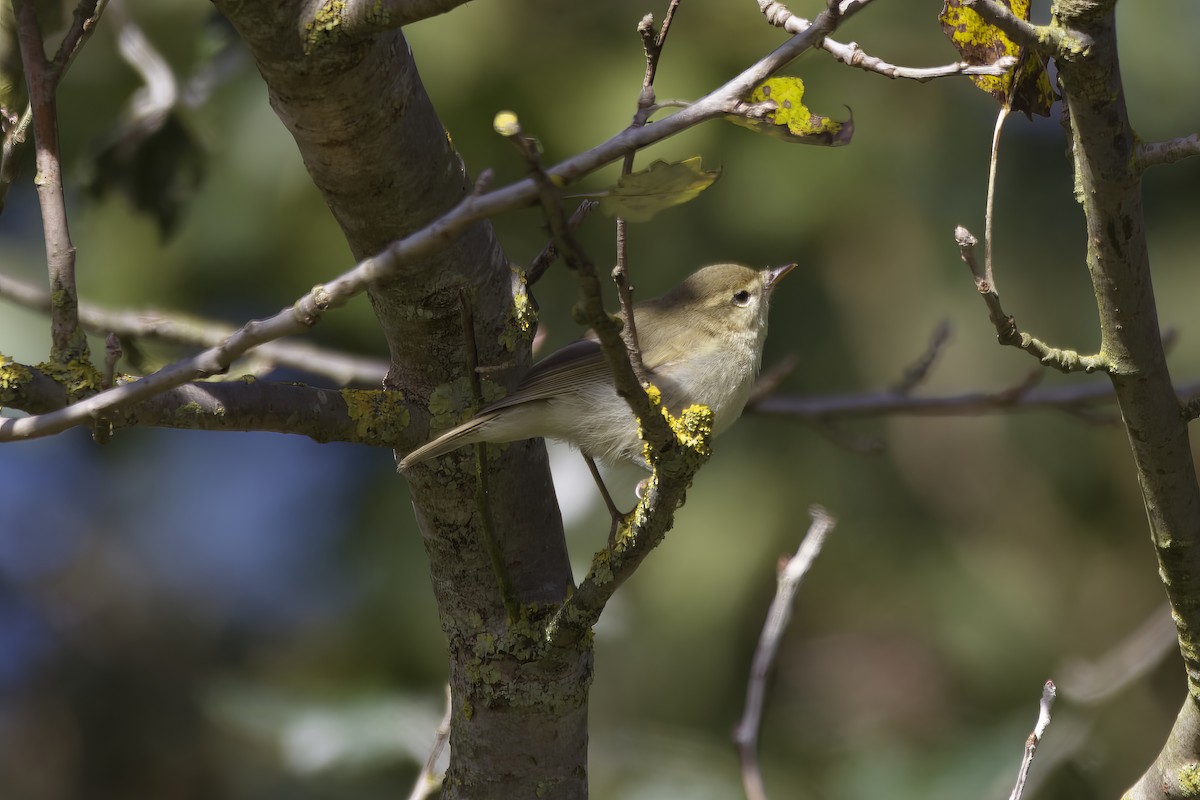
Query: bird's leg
[(615, 514)]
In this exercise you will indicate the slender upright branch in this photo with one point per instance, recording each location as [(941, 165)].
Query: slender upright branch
[(989, 232), (1035, 737), (652, 46), (67, 339), (791, 573)]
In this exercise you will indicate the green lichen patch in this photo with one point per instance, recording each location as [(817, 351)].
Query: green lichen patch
[(13, 378), (522, 315), (325, 24), (453, 402), (1189, 780), (380, 417), (77, 375), (694, 429)]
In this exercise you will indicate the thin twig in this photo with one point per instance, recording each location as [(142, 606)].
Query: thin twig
[(1093, 682), (542, 261), (916, 373), (1031, 743), (989, 214), (852, 55), (429, 780), (13, 137), (1007, 332), (745, 736), (345, 369), (1022, 397), (652, 46)]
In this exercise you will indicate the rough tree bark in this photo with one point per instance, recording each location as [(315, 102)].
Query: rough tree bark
[(375, 148)]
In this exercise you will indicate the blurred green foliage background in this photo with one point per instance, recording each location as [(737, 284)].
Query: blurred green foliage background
[(196, 615)]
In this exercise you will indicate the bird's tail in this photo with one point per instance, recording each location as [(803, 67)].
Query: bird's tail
[(467, 433)]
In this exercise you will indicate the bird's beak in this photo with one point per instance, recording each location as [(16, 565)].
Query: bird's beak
[(775, 274)]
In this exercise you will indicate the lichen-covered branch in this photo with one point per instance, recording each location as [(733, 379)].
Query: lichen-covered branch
[(372, 417)]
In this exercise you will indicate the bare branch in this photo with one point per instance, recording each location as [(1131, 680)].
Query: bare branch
[(542, 261), (309, 309), (1151, 154), (67, 340), (854, 56), (343, 368), (1031, 743), (989, 233), (429, 780), (916, 373), (1007, 332), (652, 46), (1093, 682), (87, 14), (791, 573), (1022, 397)]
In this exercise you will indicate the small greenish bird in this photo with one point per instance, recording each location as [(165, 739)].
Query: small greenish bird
[(701, 342)]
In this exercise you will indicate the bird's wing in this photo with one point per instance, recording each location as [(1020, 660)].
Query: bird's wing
[(573, 367)]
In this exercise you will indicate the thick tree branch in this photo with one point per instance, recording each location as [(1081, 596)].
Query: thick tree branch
[(341, 21), (361, 416)]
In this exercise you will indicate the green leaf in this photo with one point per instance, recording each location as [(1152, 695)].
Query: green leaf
[(639, 196), (1027, 87), (791, 120)]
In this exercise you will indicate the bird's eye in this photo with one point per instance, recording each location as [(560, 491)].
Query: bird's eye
[(742, 298)]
